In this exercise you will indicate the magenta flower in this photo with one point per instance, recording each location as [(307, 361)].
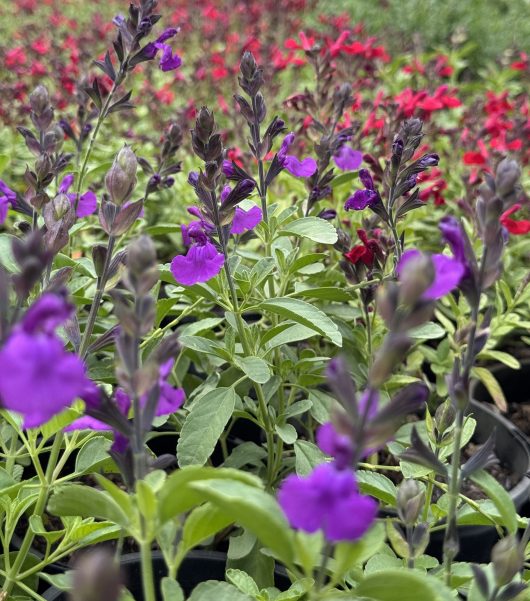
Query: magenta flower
[(363, 198), (448, 272), (87, 203), (336, 445), (39, 378), (7, 197), (243, 221), (328, 500), (348, 159), (202, 261), (304, 168), (170, 400)]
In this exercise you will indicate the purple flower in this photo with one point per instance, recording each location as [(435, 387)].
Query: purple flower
[(453, 234), (245, 220), (202, 261), (363, 198), (228, 169), (39, 378), (339, 446), (87, 203), (7, 197), (304, 168), (168, 60), (348, 159), (448, 272), (170, 400), (329, 500), (46, 314)]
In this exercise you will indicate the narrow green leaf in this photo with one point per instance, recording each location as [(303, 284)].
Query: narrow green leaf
[(500, 498), (306, 315), (204, 425)]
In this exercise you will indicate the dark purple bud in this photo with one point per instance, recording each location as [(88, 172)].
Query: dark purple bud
[(397, 150), (193, 178), (366, 179), (327, 214), (429, 160), (228, 169)]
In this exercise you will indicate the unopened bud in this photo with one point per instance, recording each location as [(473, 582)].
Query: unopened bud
[(142, 264), (444, 416), (410, 501), (99, 253), (416, 275), (96, 577), (507, 176), (61, 205), (507, 558), (204, 125), (121, 177), (43, 166), (39, 99)]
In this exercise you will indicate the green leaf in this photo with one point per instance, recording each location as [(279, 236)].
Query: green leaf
[(4, 162), (378, 486), (86, 502), (400, 585), (212, 590), (202, 522), (343, 179), (348, 555), (92, 453), (255, 510), (330, 293), (313, 228), (287, 433), (204, 425), (306, 315), (255, 368), (6, 254), (501, 499), (502, 357), (286, 333), (171, 590), (202, 325), (428, 331), (492, 386), (307, 456), (177, 496), (242, 581)]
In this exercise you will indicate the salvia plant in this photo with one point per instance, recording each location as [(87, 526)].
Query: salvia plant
[(238, 330)]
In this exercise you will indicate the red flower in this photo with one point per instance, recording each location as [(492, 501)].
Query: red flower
[(522, 64), (306, 42), (365, 252), (515, 227)]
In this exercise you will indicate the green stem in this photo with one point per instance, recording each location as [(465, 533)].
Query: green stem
[(94, 308), (147, 571), (453, 494), (12, 577)]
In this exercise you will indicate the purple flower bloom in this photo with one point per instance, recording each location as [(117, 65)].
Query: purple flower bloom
[(348, 159), (245, 221), (7, 197), (202, 261), (87, 203), (38, 377), (170, 400), (304, 168), (228, 169), (329, 500), (169, 33), (453, 234), (339, 446), (363, 198), (168, 61), (448, 272), (46, 314)]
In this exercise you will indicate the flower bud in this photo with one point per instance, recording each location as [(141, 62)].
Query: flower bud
[(507, 176), (121, 177), (507, 558), (416, 276), (43, 166), (61, 205), (410, 501), (142, 264), (39, 99), (204, 125), (99, 253), (96, 577), (444, 416)]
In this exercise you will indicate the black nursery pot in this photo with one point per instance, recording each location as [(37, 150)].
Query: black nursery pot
[(197, 567), (476, 542), (514, 384)]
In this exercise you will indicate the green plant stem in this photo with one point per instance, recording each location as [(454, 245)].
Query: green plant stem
[(40, 505), (94, 308), (453, 492), (147, 571)]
